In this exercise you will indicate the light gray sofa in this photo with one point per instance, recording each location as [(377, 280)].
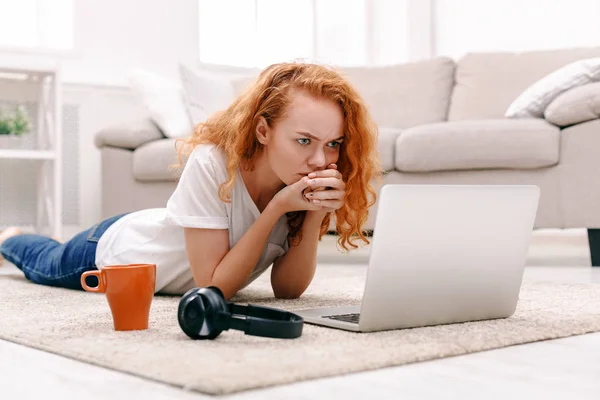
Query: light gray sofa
[(441, 122)]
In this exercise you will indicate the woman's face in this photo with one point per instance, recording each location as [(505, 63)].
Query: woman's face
[(307, 138)]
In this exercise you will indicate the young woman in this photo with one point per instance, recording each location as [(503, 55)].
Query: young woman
[(260, 183)]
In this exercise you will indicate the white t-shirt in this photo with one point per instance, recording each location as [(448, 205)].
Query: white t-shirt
[(156, 235)]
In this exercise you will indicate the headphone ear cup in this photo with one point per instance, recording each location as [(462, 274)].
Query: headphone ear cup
[(197, 312), (189, 316), (218, 292)]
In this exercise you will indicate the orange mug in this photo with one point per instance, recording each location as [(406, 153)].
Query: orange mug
[(129, 290)]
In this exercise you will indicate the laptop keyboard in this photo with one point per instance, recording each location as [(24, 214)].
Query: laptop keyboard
[(352, 318)]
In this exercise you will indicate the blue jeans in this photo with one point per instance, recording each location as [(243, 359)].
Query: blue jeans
[(45, 261)]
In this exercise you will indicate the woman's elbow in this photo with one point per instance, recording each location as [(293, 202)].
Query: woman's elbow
[(228, 290), (287, 294)]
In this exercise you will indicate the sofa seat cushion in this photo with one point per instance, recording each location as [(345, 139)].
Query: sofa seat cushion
[(478, 144), (152, 161)]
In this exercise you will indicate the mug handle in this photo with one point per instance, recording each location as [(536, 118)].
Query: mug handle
[(101, 286)]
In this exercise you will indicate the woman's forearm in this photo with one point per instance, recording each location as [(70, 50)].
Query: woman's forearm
[(237, 265), (292, 273)]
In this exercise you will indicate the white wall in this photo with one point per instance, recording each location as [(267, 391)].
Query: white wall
[(463, 26), (341, 32), (112, 37)]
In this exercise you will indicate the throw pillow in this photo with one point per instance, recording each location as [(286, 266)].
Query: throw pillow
[(534, 100), (206, 92), (163, 99)]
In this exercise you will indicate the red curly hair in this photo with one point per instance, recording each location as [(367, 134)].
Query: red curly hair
[(233, 131)]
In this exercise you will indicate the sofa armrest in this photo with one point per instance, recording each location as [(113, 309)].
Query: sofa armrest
[(575, 106), (128, 135)]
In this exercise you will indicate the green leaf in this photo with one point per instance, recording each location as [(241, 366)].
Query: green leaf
[(15, 125)]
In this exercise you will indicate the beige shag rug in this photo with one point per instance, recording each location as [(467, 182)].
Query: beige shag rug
[(78, 325)]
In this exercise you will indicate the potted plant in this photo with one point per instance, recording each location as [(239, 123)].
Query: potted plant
[(12, 127)]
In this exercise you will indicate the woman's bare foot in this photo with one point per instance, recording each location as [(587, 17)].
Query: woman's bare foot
[(8, 233)]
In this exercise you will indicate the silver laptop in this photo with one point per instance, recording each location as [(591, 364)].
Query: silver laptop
[(441, 254)]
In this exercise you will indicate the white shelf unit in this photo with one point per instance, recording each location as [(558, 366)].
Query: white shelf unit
[(48, 153)]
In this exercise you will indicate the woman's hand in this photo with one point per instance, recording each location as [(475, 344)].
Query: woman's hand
[(291, 198), (327, 189)]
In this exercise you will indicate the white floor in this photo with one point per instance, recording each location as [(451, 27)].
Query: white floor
[(564, 368)]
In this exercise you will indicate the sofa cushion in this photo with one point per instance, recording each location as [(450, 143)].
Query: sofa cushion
[(152, 161), (533, 101), (487, 83), (206, 91), (405, 95), (163, 99), (575, 106), (478, 144)]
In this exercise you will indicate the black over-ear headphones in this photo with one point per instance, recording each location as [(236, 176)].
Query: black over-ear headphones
[(203, 313)]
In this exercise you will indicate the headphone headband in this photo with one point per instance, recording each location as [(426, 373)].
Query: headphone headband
[(262, 321)]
